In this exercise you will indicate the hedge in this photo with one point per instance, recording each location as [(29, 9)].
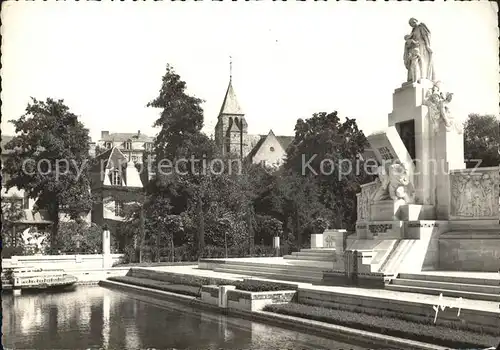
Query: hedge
[(424, 332), (168, 280)]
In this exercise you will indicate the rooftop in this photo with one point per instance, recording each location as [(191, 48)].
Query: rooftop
[(125, 136)]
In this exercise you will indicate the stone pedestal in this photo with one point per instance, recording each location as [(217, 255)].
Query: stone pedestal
[(385, 210), (414, 212), (334, 238), (223, 295), (316, 240), (106, 249)]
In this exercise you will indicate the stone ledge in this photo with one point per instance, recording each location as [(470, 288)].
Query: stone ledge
[(323, 329)]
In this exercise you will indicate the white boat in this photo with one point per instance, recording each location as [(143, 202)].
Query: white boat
[(36, 278)]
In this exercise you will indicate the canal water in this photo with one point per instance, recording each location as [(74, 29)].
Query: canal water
[(93, 317)]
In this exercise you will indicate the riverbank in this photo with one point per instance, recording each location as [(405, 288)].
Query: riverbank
[(323, 329)]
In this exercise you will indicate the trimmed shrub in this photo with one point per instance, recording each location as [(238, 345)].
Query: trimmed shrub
[(262, 286)]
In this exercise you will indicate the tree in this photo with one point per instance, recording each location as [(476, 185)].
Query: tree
[(482, 141), (50, 160), (181, 146), (323, 170)]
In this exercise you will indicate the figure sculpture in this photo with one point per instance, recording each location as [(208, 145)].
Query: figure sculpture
[(439, 109), (418, 52), (413, 59), (394, 183)]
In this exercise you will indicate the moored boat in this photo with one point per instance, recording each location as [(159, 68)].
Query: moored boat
[(36, 279)]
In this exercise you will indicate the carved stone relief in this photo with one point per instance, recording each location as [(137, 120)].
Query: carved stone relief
[(364, 201), (439, 109), (474, 194)]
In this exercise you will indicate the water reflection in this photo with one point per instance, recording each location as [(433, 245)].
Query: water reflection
[(95, 317)]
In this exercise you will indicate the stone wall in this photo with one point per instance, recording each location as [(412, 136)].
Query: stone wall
[(65, 262), (481, 255), (256, 301), (248, 301)]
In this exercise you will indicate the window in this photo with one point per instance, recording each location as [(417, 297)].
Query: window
[(385, 153), (128, 145), (107, 145), (118, 208), (148, 146), (271, 149), (115, 177)]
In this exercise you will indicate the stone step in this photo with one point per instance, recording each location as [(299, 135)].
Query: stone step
[(318, 250), (472, 234), (450, 279), (474, 288), (293, 264), (308, 257), (445, 292), (283, 269), (316, 253), (271, 275)]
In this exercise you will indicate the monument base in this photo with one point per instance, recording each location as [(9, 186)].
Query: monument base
[(398, 210), (470, 245), (397, 229)]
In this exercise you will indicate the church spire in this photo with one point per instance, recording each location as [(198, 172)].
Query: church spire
[(230, 104)]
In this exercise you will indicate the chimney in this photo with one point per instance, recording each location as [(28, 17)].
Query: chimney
[(104, 134), (138, 132)]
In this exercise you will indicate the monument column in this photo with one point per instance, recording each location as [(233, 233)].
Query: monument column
[(447, 147), (409, 105)]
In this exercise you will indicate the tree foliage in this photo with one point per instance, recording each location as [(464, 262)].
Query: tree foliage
[(11, 212), (79, 237), (323, 171), (482, 140), (50, 160)]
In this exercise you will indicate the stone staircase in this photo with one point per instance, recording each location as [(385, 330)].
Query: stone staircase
[(305, 271), (450, 286), (323, 254), (398, 253)]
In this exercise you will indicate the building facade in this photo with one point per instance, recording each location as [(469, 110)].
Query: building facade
[(132, 145)]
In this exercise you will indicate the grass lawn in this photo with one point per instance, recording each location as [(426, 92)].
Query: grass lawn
[(424, 332)]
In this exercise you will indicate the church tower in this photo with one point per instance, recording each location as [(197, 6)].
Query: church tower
[(231, 129)]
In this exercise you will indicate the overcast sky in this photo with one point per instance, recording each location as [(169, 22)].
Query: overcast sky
[(290, 59)]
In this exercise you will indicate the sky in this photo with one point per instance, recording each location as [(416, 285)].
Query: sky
[(290, 59)]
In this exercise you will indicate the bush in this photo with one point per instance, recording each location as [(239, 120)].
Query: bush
[(319, 225), (267, 227), (425, 332), (8, 252)]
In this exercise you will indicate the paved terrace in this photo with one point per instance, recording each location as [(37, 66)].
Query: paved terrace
[(488, 306)]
